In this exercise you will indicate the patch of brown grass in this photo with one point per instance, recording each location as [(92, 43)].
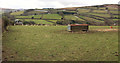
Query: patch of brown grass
[(105, 30)]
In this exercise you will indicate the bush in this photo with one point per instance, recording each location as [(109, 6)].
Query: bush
[(29, 23), (11, 22), (32, 18), (25, 22), (66, 22), (59, 22), (32, 22), (5, 23)]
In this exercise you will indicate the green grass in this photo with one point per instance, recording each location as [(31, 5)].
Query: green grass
[(102, 8), (53, 20), (112, 8), (100, 11), (72, 17), (30, 16), (114, 12), (23, 16), (17, 13), (52, 16), (83, 10), (33, 12), (115, 16), (102, 15), (91, 19), (99, 18), (37, 21), (115, 19), (70, 11), (45, 43)]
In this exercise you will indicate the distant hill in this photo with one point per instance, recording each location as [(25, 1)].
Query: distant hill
[(106, 14), (105, 5), (74, 8), (111, 5)]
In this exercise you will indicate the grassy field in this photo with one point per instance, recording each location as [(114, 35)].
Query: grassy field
[(116, 16), (115, 19), (102, 8), (52, 16), (37, 21), (91, 19), (83, 10), (100, 11), (100, 18), (30, 16), (111, 8), (33, 12), (53, 21), (114, 12), (54, 43), (72, 17), (17, 13), (102, 15)]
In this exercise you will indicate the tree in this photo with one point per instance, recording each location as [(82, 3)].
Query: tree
[(5, 23), (35, 14), (32, 18), (106, 8)]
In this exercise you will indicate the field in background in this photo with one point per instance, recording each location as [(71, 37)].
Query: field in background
[(37, 21), (54, 43), (93, 15), (17, 13)]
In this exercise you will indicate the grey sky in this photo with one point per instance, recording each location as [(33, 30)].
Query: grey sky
[(27, 4)]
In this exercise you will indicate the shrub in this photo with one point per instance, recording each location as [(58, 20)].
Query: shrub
[(59, 22), (29, 23), (26, 22), (66, 22), (32, 18), (32, 22), (5, 22)]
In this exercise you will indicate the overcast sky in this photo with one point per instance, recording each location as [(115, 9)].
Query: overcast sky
[(27, 4)]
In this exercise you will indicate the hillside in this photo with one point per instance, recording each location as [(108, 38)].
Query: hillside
[(93, 15)]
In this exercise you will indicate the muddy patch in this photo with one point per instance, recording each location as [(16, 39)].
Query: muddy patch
[(105, 30)]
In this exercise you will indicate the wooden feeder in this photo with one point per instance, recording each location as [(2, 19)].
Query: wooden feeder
[(77, 27)]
